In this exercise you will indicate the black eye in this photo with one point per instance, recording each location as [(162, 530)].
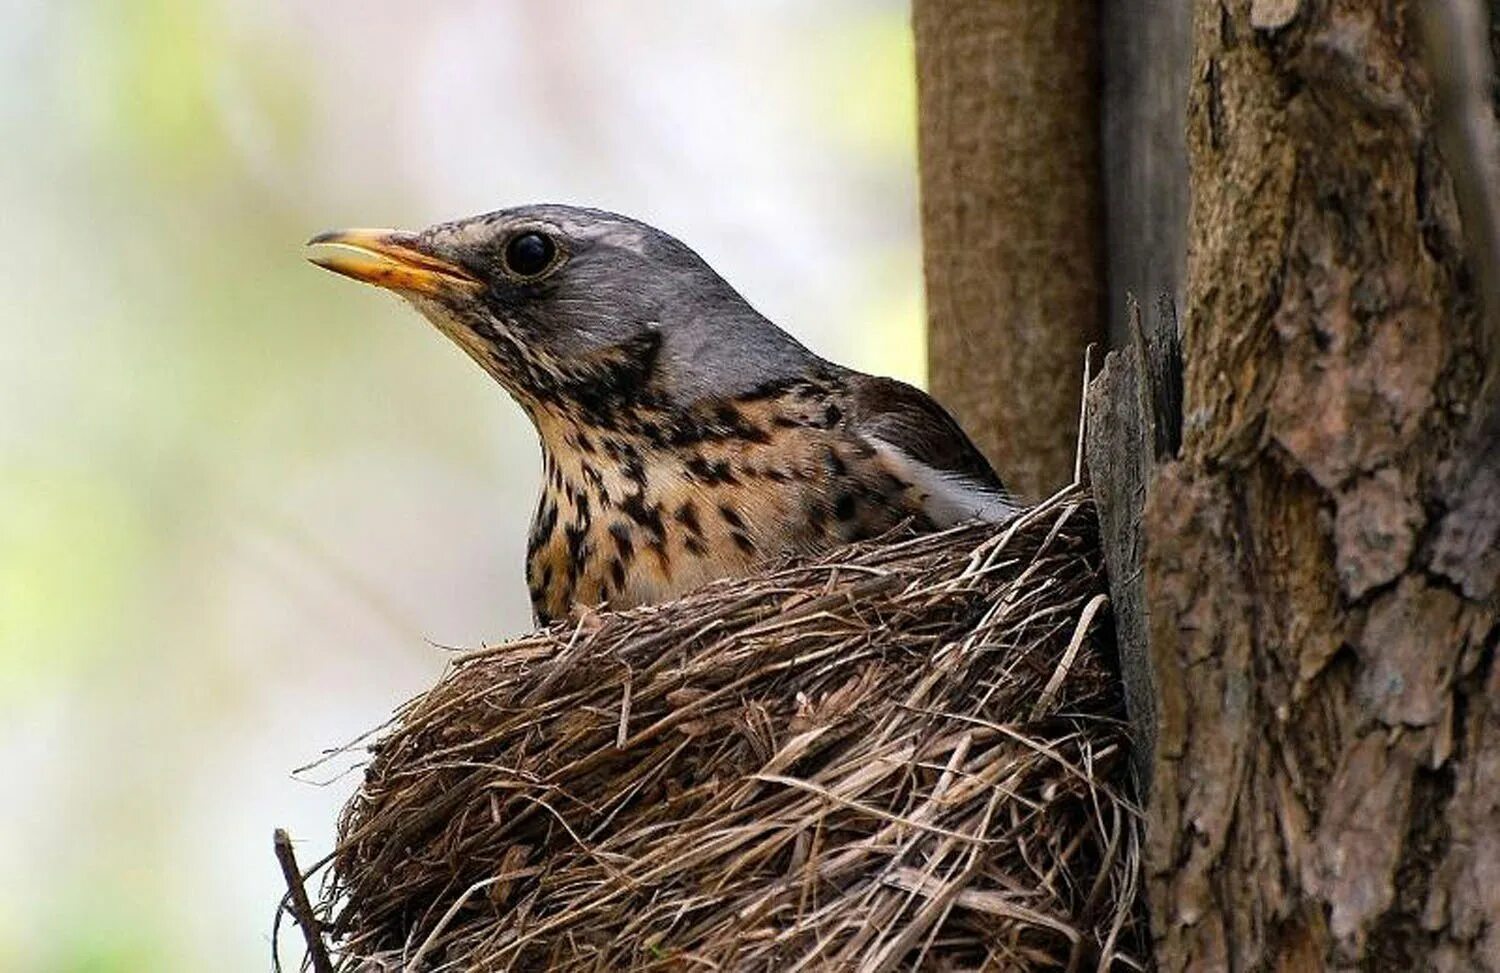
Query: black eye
[(529, 254)]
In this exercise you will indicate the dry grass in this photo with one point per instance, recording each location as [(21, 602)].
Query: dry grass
[(908, 755)]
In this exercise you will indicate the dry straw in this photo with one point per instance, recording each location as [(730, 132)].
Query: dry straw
[(906, 755)]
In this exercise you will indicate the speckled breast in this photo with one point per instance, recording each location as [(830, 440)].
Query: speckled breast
[(642, 512)]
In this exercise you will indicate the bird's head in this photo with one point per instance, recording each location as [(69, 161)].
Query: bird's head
[(561, 304)]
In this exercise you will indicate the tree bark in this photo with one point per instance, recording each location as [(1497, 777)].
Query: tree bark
[(1008, 139), (1327, 777), (1134, 424)]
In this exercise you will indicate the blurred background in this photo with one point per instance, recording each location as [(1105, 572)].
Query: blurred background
[(244, 504)]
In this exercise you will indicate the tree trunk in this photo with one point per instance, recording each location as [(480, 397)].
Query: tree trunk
[(1011, 222), (1144, 47), (1322, 618)]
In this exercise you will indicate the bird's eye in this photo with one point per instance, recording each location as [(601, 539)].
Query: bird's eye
[(529, 254)]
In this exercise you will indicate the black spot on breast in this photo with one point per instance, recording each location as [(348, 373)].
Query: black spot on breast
[(694, 545), (546, 577), (831, 415), (651, 432), (542, 527), (634, 506), (780, 476), (710, 472), (835, 463), (685, 431), (578, 550), (731, 516), (844, 506), (663, 562), (623, 543), (687, 516), (742, 541), (617, 573), (596, 480), (734, 425)]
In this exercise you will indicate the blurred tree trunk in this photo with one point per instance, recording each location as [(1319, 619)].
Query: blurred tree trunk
[(1144, 49), (1321, 562), (1008, 139)]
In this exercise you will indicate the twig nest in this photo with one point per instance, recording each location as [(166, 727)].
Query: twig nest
[(905, 755)]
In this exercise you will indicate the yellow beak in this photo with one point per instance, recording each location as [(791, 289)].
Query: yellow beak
[(390, 259)]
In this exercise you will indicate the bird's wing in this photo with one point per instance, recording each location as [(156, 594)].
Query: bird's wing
[(925, 446)]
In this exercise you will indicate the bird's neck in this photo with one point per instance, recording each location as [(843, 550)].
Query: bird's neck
[(599, 388)]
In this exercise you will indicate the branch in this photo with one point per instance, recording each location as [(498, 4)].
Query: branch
[(302, 911)]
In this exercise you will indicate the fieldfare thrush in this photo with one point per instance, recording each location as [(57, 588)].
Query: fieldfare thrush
[(684, 436)]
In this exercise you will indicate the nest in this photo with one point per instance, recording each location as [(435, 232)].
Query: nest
[(908, 754)]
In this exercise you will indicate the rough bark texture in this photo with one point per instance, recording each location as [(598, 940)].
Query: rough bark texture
[(1134, 424), (1010, 222), (1327, 784)]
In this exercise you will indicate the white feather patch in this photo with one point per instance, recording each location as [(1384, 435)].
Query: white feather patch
[(948, 498)]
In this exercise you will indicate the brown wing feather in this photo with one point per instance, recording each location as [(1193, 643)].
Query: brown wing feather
[(913, 422)]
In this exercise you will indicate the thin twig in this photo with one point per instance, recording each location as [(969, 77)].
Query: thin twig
[(1083, 414), (302, 911), (442, 924)]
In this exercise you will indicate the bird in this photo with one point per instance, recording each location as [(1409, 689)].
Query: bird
[(684, 437)]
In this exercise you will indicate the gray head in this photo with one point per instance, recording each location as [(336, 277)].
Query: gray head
[(551, 299)]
